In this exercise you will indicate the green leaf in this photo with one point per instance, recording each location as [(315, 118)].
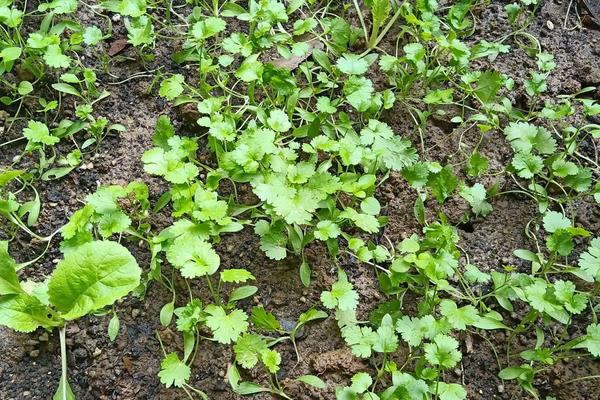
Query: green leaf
[(361, 382), (55, 58), (10, 53), (236, 275), (370, 206), (342, 294), (451, 391), (271, 359), (250, 70), (25, 313), (387, 341), (171, 87), (278, 121), (226, 328), (92, 276), (488, 85), (442, 183), (248, 349), (565, 293), (358, 91), (207, 27), (589, 262), (478, 164), (113, 327), (415, 330), (352, 64), (554, 221), (242, 293), (366, 222), (37, 132), (64, 391), (443, 351), (327, 230), (527, 165), (166, 314), (173, 371), (66, 88), (313, 381), (189, 316), (525, 137), (476, 197), (263, 319), (360, 339), (92, 35), (24, 88), (9, 282), (194, 256), (461, 317), (272, 242), (540, 298), (592, 340)]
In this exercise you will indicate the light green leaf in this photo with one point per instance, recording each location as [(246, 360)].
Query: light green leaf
[(173, 371), (37, 132), (171, 87), (313, 381), (92, 35), (25, 313), (226, 328), (92, 276), (352, 64), (9, 282)]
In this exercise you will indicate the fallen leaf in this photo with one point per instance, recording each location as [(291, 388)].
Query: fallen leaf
[(294, 61), (128, 364), (593, 9), (117, 46)]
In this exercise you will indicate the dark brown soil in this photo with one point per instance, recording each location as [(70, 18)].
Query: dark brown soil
[(127, 368)]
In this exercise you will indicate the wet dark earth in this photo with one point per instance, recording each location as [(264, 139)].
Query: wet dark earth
[(128, 367)]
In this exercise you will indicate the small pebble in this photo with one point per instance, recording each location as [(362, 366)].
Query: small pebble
[(43, 337), (550, 25), (500, 388), (116, 17), (135, 312), (97, 352), (34, 353)]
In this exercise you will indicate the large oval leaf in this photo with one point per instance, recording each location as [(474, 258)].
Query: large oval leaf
[(94, 275)]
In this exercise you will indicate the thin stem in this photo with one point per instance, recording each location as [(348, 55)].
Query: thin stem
[(63, 362)]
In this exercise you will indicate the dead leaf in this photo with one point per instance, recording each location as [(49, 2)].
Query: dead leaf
[(294, 61), (593, 9), (128, 364), (117, 46)]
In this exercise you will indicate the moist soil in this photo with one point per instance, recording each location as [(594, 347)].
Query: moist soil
[(127, 368)]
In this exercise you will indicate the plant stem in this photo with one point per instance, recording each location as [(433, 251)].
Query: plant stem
[(63, 362)]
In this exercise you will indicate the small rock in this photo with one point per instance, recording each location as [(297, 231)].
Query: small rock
[(303, 299), (116, 17), (26, 393), (34, 353), (500, 388), (43, 337), (97, 352), (550, 25), (135, 312)]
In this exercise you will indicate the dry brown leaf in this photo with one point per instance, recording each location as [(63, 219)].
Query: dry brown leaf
[(294, 61), (117, 46)]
